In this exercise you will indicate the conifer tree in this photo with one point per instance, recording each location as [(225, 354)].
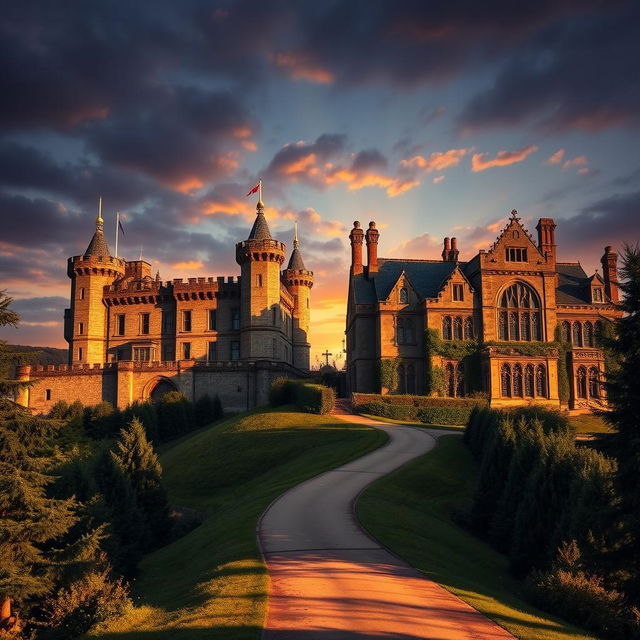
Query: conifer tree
[(8, 317), (135, 456)]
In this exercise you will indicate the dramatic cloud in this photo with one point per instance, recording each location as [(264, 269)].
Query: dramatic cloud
[(557, 157), (481, 161), (437, 161)]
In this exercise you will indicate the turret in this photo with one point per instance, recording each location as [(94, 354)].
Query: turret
[(299, 281), (609, 263), (547, 238), (260, 258), (356, 236), (87, 318), (372, 237)]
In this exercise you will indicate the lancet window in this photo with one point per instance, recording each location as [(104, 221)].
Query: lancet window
[(581, 382), (519, 314), (529, 381), (594, 382), (454, 379)]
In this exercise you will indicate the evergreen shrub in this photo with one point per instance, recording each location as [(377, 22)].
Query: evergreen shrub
[(307, 396)]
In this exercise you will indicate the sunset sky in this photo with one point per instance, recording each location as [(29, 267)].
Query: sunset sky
[(432, 118)]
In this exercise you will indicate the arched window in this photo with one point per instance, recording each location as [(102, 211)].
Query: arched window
[(468, 328), (411, 379), (446, 328), (457, 328), (519, 314), (505, 376), (588, 334), (402, 382), (404, 295), (598, 332), (594, 383), (582, 382), (449, 376), (517, 380), (400, 332), (541, 381), (460, 380), (577, 334), (528, 381), (566, 331)]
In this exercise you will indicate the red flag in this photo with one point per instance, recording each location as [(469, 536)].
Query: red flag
[(256, 188)]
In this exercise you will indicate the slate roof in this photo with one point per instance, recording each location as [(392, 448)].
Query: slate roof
[(426, 277), (295, 261), (98, 245), (573, 284), (260, 229)]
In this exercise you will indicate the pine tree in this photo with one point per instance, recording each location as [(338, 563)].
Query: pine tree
[(8, 385), (137, 459)]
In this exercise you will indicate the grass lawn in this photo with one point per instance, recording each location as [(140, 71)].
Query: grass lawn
[(212, 583), (589, 423), (408, 511)]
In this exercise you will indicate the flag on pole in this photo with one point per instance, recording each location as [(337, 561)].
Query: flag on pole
[(120, 225), (256, 188)]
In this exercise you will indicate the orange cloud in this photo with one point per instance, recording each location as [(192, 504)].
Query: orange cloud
[(300, 165), (301, 67), (584, 171), (401, 186), (185, 185), (575, 162), (249, 145), (437, 161), (189, 265), (480, 161), (557, 157), (424, 246)]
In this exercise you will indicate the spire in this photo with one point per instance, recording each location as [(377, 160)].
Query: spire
[(98, 245), (295, 261), (260, 229)]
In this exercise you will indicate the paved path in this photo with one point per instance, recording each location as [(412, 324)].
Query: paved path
[(331, 581)]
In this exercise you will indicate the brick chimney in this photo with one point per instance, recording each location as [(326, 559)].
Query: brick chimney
[(454, 253), (356, 236), (609, 263), (547, 238), (445, 250), (372, 236)]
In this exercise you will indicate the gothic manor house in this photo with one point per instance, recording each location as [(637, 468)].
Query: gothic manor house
[(134, 337), (514, 293)]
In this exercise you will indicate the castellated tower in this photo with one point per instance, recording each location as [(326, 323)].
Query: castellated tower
[(299, 282), (262, 320), (86, 319)]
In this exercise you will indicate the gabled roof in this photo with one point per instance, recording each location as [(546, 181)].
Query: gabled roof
[(514, 224), (573, 284), (425, 276)]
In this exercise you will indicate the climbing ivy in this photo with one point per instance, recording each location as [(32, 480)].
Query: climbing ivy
[(564, 390), (387, 374)]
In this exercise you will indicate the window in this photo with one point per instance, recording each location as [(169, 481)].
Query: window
[(186, 321), (594, 384), (597, 295), (446, 328), (468, 329), (144, 323), (588, 334), (519, 314), (47, 394), (142, 354), (259, 280), (517, 380), (458, 292), (505, 377), (235, 350), (235, 319), (79, 353), (186, 351), (516, 254), (582, 382), (529, 381), (457, 328), (566, 331), (577, 334), (80, 328), (541, 381), (212, 353), (404, 295), (81, 294), (213, 320), (120, 324)]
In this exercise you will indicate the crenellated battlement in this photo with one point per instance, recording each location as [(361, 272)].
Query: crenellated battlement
[(256, 250), (95, 265)]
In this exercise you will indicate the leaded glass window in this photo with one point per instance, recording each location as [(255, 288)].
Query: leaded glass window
[(541, 381), (582, 382), (446, 328), (519, 316), (457, 328), (505, 376), (528, 380), (468, 328), (517, 380)]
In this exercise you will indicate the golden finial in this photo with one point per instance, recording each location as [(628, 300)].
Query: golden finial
[(99, 220), (295, 234)]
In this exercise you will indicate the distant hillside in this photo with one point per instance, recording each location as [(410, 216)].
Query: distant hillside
[(41, 355)]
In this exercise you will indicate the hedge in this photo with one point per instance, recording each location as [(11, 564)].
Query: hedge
[(418, 401), (429, 415), (307, 396)]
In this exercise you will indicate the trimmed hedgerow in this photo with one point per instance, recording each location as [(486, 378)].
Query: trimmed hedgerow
[(436, 414), (307, 396), (444, 415), (418, 401)]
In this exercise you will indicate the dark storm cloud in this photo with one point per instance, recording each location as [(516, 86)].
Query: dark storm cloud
[(368, 160), (581, 73)]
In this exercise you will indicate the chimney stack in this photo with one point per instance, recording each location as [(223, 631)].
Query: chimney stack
[(445, 250), (610, 273), (356, 236), (372, 248), (546, 238), (454, 253)]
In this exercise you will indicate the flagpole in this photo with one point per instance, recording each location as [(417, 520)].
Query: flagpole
[(117, 229), (260, 183), (100, 207)]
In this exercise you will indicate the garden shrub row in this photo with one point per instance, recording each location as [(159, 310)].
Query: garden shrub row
[(539, 495), (438, 414), (306, 396), (418, 401)]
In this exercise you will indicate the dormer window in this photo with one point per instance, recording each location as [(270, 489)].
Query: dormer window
[(404, 295), (458, 292), (516, 254), (597, 294)]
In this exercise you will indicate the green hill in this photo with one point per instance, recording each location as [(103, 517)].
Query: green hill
[(40, 355)]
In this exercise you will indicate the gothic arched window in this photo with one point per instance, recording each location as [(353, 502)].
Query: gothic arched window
[(594, 383), (577, 334), (597, 330), (517, 380), (582, 382), (404, 295), (460, 380), (528, 381), (468, 328), (519, 314), (588, 334), (457, 328), (446, 328), (541, 381), (566, 331), (505, 377), (449, 376), (411, 379)]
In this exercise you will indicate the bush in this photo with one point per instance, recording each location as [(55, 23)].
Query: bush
[(444, 415), (203, 410), (174, 415), (436, 414), (418, 401), (101, 420), (386, 410), (282, 391), (314, 398)]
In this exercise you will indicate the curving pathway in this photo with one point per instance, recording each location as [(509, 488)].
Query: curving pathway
[(331, 581)]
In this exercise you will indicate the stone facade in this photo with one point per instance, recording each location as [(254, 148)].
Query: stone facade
[(132, 336), (514, 292)]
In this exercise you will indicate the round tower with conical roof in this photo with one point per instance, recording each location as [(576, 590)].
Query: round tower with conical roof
[(299, 281), (261, 320), (86, 319)]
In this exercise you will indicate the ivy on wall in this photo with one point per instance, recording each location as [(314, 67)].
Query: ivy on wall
[(564, 389), (387, 374)]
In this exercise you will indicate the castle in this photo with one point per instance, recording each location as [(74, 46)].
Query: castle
[(515, 301), (134, 337)]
